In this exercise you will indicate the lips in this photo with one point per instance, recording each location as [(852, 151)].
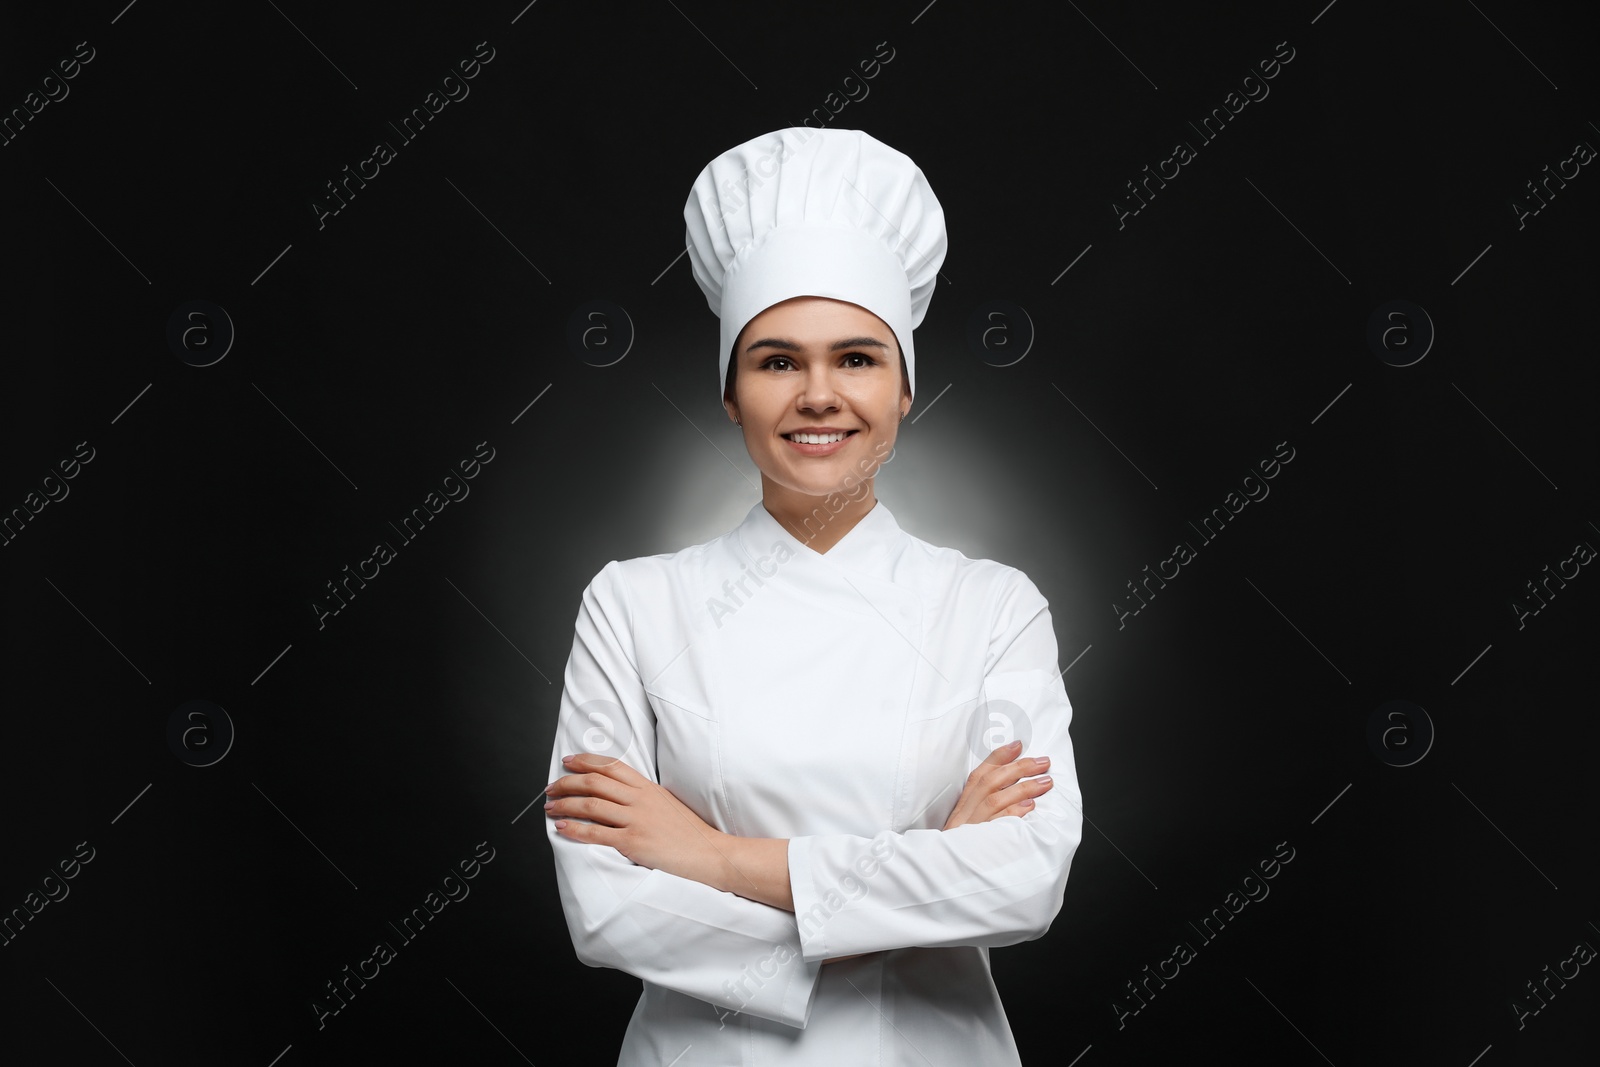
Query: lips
[(820, 430), (827, 448)]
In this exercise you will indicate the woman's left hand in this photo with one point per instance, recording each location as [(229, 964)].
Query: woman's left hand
[(639, 818)]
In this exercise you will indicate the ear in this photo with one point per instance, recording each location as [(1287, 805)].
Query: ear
[(732, 409)]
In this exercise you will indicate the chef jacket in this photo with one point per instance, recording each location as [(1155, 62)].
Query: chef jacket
[(838, 700)]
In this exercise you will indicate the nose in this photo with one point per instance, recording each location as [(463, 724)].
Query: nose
[(817, 390)]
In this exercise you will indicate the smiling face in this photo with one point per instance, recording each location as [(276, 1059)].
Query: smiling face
[(810, 365)]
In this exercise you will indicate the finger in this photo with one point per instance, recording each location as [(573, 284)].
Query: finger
[(588, 833), (595, 810), (607, 765), (1028, 765), (1023, 790), (1004, 754), (592, 784), (989, 771), (1034, 787), (990, 778)]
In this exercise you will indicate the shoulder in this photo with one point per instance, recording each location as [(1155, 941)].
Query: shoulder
[(647, 577), (992, 597), (987, 578)]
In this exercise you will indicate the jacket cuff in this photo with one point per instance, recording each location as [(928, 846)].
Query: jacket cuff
[(801, 992), (809, 913)]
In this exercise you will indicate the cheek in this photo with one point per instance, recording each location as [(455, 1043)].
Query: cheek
[(877, 403), (755, 412)]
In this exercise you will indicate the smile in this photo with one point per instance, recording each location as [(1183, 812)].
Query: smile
[(817, 444), (817, 438)]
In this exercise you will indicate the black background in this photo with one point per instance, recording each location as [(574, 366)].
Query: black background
[(372, 754)]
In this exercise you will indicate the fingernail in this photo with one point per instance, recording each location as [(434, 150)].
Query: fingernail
[(1027, 803), (568, 759), (1044, 779), (550, 805), (1044, 761), (551, 786), (1015, 744)]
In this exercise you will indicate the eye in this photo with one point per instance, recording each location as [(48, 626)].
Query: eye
[(773, 362)]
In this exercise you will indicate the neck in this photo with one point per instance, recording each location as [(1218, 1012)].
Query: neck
[(818, 522)]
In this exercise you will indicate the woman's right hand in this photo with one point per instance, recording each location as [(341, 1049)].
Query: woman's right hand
[(1000, 786)]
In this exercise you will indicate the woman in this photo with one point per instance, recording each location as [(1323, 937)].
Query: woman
[(788, 804)]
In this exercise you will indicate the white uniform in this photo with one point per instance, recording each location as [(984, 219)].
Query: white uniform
[(838, 700)]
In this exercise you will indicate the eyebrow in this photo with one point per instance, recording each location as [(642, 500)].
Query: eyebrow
[(790, 346)]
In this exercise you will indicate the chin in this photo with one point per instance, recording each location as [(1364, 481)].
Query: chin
[(830, 489)]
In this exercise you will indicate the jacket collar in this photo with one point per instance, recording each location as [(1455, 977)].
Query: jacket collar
[(870, 547)]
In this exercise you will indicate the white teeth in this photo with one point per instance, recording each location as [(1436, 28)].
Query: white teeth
[(817, 438)]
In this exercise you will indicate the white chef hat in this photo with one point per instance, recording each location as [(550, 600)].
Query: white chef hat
[(815, 212)]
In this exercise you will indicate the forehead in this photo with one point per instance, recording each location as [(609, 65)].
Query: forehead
[(815, 320)]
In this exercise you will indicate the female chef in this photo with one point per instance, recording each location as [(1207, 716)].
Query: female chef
[(783, 794)]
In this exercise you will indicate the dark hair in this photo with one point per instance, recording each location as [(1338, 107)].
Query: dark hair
[(733, 374)]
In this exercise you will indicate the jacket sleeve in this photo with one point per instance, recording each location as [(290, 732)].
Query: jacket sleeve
[(989, 884), (674, 932)]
